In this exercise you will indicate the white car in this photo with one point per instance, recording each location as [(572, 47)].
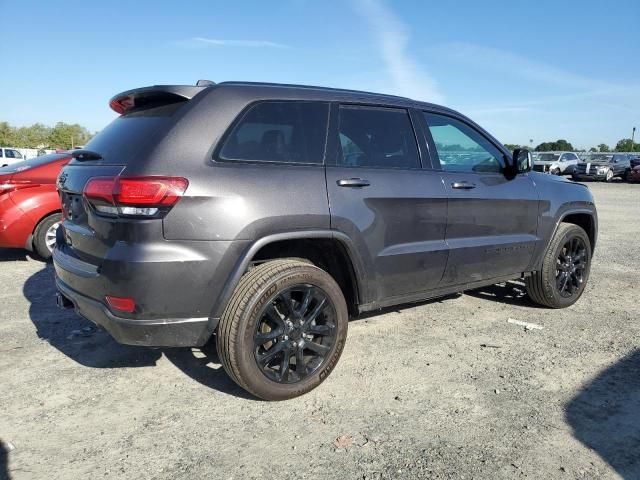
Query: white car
[(556, 163), (9, 156)]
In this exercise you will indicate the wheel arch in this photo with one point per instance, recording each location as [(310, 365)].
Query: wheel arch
[(585, 219), (29, 243), (42, 217), (302, 244)]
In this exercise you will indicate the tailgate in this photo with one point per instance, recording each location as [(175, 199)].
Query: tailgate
[(87, 236)]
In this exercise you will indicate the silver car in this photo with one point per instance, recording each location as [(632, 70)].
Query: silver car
[(556, 163)]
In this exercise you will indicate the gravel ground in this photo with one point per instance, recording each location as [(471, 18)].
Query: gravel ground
[(444, 389)]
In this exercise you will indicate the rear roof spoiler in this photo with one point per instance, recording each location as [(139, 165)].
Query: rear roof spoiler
[(156, 94)]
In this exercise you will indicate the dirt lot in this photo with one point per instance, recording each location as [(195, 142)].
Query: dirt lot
[(445, 389)]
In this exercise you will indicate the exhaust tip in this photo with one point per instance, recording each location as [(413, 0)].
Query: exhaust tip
[(63, 302)]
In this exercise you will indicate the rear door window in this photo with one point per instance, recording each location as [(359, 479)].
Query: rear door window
[(287, 132), (376, 137)]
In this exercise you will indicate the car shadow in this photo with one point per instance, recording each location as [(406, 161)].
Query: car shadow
[(13, 255), (90, 346), (605, 416), (74, 336), (4, 462), (203, 365), (510, 293)]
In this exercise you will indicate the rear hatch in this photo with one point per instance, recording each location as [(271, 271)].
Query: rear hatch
[(102, 205)]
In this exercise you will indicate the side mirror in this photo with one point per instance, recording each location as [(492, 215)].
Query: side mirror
[(522, 160)]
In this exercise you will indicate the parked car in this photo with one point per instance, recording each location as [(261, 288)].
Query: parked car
[(556, 163), (29, 203), (9, 156), (268, 215), (603, 166), (634, 175), (634, 161)]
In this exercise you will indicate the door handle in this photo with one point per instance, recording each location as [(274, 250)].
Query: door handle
[(353, 182), (463, 185)]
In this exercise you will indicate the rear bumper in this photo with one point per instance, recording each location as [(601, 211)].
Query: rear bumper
[(170, 332)]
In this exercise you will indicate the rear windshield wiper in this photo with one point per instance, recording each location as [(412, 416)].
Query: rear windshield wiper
[(82, 155)]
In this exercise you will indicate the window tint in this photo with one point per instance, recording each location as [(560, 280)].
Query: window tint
[(1, 152), (292, 132), (461, 148), (8, 153), (376, 137)]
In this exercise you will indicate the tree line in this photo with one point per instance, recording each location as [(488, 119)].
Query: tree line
[(623, 145), (61, 135)]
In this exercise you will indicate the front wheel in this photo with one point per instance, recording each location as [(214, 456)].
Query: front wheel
[(565, 269), (284, 329), (609, 176)]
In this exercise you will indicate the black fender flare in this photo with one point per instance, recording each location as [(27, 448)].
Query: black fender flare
[(536, 262), (243, 263)]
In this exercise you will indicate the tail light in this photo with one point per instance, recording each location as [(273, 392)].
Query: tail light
[(134, 196), (11, 186), (121, 104), (123, 304)]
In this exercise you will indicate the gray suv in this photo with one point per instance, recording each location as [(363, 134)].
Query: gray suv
[(268, 215)]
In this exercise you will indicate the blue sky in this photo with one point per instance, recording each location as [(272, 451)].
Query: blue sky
[(524, 70)]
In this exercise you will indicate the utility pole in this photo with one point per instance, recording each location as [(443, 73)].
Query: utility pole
[(633, 135)]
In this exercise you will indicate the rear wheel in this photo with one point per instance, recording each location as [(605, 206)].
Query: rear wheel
[(284, 329), (44, 236), (565, 269)]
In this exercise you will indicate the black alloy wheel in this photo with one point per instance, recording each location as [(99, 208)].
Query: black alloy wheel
[(564, 273), (283, 330), (295, 333), (572, 264)]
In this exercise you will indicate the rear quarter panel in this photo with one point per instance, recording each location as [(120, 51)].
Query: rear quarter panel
[(37, 202), (231, 200)]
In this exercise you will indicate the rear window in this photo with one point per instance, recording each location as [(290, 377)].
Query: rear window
[(122, 139), (33, 163), (289, 132)]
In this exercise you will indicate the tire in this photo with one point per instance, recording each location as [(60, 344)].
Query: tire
[(257, 324), (543, 286), (609, 176), (556, 171), (43, 235)]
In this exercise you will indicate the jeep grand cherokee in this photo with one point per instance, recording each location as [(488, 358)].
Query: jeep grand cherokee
[(268, 215)]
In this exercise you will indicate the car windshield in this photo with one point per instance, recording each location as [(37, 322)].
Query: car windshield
[(32, 163), (548, 157)]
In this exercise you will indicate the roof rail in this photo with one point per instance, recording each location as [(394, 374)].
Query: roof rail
[(312, 87)]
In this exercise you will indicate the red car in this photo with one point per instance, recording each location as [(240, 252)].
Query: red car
[(30, 210)]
